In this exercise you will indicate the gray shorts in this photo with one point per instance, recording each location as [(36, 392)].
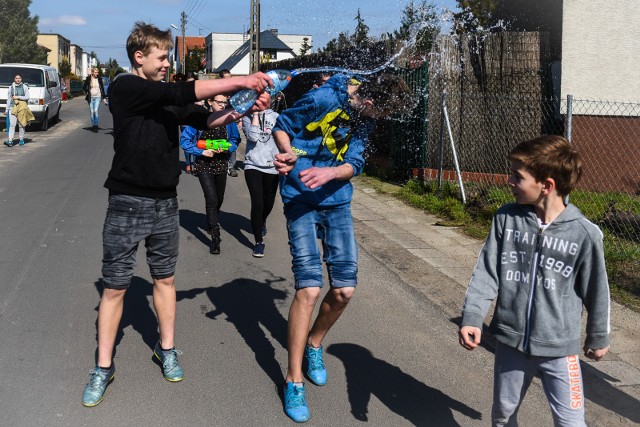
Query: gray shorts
[(131, 219)]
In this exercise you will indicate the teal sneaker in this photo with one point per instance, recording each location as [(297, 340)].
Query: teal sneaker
[(315, 365), (295, 403), (171, 369), (98, 380), (8, 143), (21, 142)]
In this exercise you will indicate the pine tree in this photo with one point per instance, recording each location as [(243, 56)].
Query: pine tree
[(194, 58), (19, 34), (64, 67), (361, 36), (111, 68), (419, 24), (306, 47), (476, 14)]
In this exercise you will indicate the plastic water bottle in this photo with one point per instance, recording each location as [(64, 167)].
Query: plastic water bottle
[(243, 100)]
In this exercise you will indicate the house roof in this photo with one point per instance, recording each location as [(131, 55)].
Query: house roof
[(190, 42), (268, 40)]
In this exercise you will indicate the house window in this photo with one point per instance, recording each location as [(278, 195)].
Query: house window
[(272, 54)]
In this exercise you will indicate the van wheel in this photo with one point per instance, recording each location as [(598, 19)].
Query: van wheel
[(45, 122), (56, 118)]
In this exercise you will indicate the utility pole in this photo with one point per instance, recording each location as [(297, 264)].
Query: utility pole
[(183, 19), (254, 37)]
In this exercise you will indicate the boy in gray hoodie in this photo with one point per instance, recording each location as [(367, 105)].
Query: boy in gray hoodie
[(543, 260)]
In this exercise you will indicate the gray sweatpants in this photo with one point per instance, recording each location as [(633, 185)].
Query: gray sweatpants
[(13, 120), (561, 379)]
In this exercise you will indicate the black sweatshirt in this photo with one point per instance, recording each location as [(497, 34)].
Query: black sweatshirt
[(146, 116)]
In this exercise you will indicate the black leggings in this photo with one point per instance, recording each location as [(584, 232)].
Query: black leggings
[(213, 187), (262, 190)]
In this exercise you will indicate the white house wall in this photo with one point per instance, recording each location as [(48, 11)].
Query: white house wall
[(295, 41), (242, 68), (220, 46), (601, 50)]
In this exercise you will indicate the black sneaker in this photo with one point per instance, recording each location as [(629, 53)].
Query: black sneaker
[(233, 172), (214, 249), (258, 250)]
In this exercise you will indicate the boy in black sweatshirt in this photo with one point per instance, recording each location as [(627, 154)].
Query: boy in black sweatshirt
[(142, 189)]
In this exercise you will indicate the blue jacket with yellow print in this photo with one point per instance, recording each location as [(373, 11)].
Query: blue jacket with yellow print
[(324, 132)]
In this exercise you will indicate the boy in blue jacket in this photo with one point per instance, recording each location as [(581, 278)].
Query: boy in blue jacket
[(321, 140), (543, 260)]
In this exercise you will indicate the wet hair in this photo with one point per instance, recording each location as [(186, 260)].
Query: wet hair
[(550, 156), (144, 37), (389, 93)]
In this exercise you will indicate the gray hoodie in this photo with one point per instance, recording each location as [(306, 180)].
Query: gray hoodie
[(542, 279), (261, 148)]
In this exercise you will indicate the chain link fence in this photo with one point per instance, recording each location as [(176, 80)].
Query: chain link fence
[(472, 137)]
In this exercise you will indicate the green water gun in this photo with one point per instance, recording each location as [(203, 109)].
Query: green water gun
[(214, 144)]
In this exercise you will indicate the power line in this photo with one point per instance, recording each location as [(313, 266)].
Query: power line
[(193, 6), (196, 13), (189, 5), (104, 47), (200, 25)]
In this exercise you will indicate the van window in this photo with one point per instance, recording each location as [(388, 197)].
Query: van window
[(31, 76)]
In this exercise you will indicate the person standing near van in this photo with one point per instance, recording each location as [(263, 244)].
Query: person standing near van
[(95, 93), (18, 91)]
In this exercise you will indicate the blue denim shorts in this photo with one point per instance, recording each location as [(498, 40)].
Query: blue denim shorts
[(334, 228), (131, 219)]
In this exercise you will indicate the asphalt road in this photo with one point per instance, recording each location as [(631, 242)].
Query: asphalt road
[(393, 358)]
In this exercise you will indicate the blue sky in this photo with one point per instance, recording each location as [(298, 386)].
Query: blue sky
[(103, 26)]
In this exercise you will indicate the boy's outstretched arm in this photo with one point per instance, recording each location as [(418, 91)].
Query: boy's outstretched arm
[(209, 88), (469, 337)]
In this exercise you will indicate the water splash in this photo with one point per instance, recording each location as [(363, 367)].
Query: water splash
[(414, 32)]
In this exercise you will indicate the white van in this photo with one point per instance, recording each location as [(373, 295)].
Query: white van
[(45, 97)]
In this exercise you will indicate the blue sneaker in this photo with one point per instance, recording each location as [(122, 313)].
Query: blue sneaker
[(21, 142), (8, 143), (98, 380), (258, 250), (295, 403), (315, 365), (171, 370)]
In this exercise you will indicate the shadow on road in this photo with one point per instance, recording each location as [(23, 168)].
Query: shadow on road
[(251, 306), (599, 391), (234, 224), (418, 403), (196, 224), (139, 313), (597, 384)]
